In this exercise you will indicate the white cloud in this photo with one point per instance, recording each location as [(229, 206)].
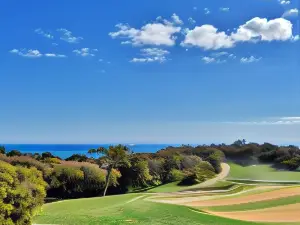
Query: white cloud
[(260, 29), (207, 37), (251, 59), (295, 38), (231, 56), (31, 53), (223, 55), (176, 19), (43, 33), (68, 36), (219, 54), (209, 60), (150, 34), (290, 13), (35, 53), (54, 44), (85, 52), (195, 8), (272, 121), (206, 11), (151, 55), (284, 2), (224, 9), (53, 55), (191, 20), (154, 52), (100, 60)]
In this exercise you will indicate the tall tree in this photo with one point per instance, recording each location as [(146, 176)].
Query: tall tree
[(112, 157)]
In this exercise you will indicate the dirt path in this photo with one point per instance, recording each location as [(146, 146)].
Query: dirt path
[(287, 213), (276, 194)]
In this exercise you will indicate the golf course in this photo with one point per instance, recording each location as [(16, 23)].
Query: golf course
[(222, 200)]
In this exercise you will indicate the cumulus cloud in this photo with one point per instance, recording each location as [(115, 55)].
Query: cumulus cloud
[(207, 37), (290, 13), (251, 59), (284, 2), (224, 9), (150, 34), (67, 36), (43, 33), (257, 29), (151, 55), (84, 52), (31, 53), (176, 19), (260, 29)]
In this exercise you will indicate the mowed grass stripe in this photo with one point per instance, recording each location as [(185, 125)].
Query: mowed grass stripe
[(256, 205)]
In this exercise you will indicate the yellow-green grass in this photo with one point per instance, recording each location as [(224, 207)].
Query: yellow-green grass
[(125, 209), (256, 205), (261, 172)]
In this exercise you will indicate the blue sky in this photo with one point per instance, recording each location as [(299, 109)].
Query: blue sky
[(149, 71)]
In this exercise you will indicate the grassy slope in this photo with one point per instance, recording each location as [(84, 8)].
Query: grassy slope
[(117, 210), (261, 172), (257, 205)]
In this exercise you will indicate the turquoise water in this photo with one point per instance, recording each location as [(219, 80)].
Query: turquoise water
[(66, 150)]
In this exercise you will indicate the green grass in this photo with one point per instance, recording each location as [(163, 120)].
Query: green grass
[(174, 187), (257, 205), (261, 172), (170, 187), (115, 210)]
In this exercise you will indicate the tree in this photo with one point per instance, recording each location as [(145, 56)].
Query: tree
[(2, 150), (14, 153), (112, 157)]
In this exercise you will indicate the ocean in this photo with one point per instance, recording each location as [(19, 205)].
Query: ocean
[(65, 150)]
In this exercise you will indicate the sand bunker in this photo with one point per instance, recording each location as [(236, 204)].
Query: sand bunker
[(282, 193), (287, 213)]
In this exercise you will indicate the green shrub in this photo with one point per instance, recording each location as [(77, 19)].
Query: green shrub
[(14, 153), (52, 160), (2, 150), (202, 172), (22, 192), (28, 162), (175, 175)]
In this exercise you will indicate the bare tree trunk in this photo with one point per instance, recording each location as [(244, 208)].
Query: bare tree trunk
[(107, 181)]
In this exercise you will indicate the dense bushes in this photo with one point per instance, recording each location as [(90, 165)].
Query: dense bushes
[(22, 192), (200, 173), (74, 180)]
